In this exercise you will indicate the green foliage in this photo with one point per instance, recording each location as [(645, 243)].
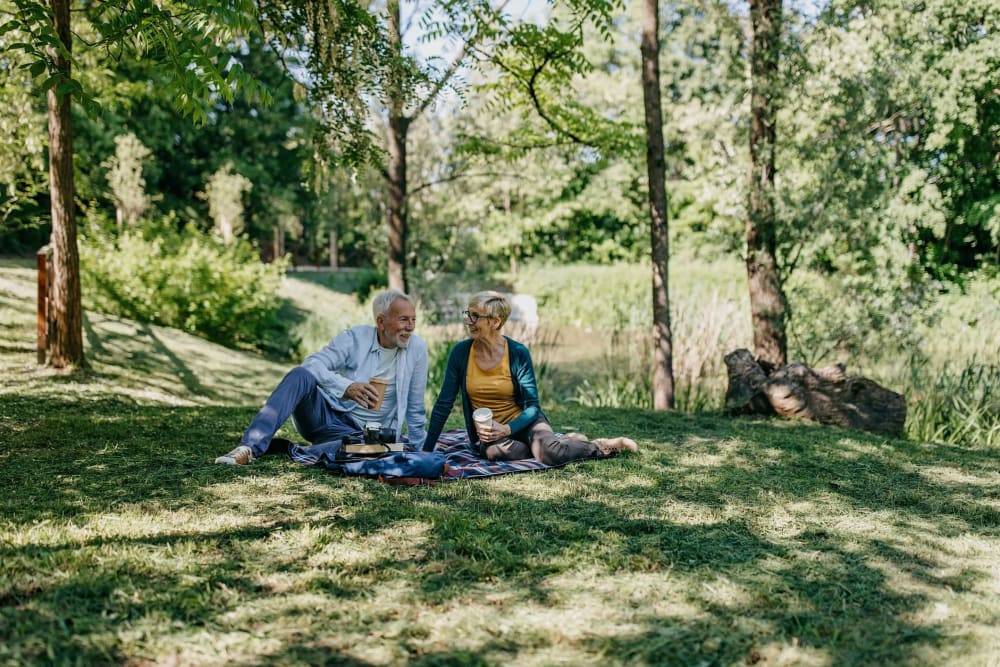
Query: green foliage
[(224, 193), (128, 187), (854, 316), (369, 280), (23, 140), (567, 294), (892, 132), (437, 362), (955, 404), (189, 39), (269, 145), (185, 280)]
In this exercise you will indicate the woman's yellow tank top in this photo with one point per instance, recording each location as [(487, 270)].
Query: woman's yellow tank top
[(493, 389)]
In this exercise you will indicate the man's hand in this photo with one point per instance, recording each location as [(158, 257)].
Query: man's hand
[(362, 393)]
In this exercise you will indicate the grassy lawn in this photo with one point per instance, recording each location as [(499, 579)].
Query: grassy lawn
[(723, 542)]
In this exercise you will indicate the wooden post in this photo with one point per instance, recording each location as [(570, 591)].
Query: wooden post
[(43, 301), (333, 249)]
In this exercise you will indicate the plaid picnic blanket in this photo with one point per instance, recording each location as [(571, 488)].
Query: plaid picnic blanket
[(464, 463), (462, 460)]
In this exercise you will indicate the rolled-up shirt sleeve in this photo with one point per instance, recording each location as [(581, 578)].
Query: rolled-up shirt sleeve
[(331, 365)]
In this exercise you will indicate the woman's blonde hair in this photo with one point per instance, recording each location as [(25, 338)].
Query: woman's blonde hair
[(494, 303)]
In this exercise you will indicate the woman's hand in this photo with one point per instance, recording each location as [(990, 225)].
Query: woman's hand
[(493, 432)]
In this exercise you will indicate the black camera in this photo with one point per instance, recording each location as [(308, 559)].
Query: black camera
[(372, 441), (375, 434)]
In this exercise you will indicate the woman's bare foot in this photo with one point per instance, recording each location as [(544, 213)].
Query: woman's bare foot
[(611, 446)]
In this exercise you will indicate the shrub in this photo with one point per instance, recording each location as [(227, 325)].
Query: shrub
[(185, 280)]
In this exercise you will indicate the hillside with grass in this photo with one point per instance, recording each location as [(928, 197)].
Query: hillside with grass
[(724, 541)]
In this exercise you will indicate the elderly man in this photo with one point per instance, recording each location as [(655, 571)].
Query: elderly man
[(329, 396)]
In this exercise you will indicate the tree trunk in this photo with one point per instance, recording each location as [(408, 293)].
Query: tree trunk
[(768, 306), (66, 336), (399, 126), (663, 372)]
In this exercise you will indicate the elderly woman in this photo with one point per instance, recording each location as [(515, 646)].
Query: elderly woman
[(495, 372)]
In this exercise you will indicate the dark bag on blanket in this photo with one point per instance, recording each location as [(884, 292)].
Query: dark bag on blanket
[(393, 465)]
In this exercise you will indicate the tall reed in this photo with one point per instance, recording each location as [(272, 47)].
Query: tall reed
[(954, 405), (704, 328)]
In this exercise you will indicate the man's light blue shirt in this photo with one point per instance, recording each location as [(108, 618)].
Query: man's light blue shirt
[(352, 356)]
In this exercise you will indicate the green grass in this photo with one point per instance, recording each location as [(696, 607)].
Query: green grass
[(723, 542)]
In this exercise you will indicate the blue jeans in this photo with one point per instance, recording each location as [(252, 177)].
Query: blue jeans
[(298, 395)]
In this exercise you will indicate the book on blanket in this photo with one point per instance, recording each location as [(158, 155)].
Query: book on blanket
[(363, 448)]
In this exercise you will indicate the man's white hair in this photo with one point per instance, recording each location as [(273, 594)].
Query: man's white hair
[(383, 301)]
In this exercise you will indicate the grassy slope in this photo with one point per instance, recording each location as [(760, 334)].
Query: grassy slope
[(723, 542)]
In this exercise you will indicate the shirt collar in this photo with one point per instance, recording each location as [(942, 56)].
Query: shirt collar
[(374, 346)]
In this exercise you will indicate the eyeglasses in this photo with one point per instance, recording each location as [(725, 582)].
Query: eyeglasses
[(472, 317)]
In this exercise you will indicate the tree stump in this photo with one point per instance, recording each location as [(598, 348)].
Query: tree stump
[(826, 395)]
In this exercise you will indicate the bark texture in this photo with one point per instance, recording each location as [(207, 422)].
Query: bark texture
[(66, 313), (399, 127), (826, 395), (768, 305), (663, 374)]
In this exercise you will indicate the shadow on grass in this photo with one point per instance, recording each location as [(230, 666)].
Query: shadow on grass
[(821, 588)]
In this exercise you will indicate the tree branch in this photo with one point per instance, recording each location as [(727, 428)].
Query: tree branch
[(455, 177), (532, 92), (452, 69)]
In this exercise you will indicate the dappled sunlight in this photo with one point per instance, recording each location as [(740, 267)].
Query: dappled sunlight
[(687, 513), (159, 357), (270, 497), (582, 607), (852, 448), (723, 541), (533, 486), (403, 541), (782, 523), (987, 479), (703, 452), (723, 592), (630, 482), (273, 623), (776, 654)]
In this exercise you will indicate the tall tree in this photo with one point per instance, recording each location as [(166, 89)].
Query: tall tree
[(66, 333), (656, 170), (185, 39), (768, 306), (362, 73), (544, 65), (395, 173)]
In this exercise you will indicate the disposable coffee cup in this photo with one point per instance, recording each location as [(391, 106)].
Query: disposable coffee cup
[(483, 417), (380, 384)]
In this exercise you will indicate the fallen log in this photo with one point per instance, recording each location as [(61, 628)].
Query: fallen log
[(826, 395)]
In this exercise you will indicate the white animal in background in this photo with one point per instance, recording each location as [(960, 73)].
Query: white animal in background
[(523, 321)]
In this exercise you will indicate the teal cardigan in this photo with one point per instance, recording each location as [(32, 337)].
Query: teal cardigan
[(522, 373)]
